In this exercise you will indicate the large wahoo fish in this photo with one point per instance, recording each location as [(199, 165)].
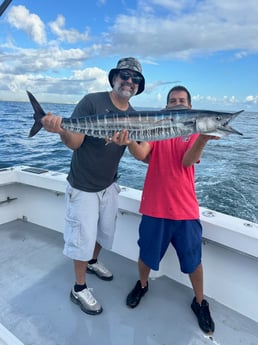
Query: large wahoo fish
[(144, 125)]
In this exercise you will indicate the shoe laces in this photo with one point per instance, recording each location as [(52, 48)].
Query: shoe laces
[(205, 312), (101, 267), (86, 293)]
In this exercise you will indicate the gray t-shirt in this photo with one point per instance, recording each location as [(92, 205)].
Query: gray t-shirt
[(94, 165)]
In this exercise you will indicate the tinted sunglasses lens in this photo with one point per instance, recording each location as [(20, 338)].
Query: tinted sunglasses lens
[(125, 76), (137, 79)]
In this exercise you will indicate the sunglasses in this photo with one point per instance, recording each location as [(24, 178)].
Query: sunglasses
[(136, 79)]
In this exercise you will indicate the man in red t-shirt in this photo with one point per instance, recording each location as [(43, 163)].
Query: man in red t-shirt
[(170, 210)]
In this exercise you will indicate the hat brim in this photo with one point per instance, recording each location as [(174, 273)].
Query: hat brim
[(116, 70)]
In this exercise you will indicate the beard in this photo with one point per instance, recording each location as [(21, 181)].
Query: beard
[(118, 87)]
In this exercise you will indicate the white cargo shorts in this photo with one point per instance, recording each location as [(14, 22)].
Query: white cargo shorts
[(90, 217)]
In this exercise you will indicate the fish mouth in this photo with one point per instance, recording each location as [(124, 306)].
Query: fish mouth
[(228, 129)]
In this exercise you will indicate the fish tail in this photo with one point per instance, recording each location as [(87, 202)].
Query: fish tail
[(39, 113)]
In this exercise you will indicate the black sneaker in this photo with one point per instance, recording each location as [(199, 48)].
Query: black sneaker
[(203, 315), (134, 297)]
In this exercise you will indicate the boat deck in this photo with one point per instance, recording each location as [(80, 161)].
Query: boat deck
[(36, 279)]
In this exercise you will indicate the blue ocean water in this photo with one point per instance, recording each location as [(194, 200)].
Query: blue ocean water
[(226, 178)]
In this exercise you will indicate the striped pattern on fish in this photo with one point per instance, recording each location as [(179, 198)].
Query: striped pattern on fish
[(144, 125)]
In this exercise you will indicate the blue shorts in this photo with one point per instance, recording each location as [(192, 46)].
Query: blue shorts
[(155, 234)]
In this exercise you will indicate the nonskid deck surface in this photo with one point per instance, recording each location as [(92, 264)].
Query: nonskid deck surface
[(34, 300)]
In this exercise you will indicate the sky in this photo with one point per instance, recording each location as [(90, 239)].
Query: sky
[(62, 50)]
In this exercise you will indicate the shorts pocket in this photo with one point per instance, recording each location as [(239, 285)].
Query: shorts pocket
[(72, 232)]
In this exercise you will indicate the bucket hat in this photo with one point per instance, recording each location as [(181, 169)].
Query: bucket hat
[(128, 63)]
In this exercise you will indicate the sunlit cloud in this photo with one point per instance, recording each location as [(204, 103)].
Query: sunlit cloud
[(158, 32), (20, 18), (67, 35), (253, 99)]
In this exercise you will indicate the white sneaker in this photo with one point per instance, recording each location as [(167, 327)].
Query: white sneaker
[(86, 301), (100, 270)]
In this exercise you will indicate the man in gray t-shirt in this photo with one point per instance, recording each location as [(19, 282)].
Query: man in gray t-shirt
[(92, 191)]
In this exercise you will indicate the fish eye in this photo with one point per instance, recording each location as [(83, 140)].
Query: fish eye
[(218, 118)]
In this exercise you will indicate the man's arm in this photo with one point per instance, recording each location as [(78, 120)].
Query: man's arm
[(193, 155), (52, 123)]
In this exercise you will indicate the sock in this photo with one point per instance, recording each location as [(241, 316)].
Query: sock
[(143, 287), (78, 288), (92, 261)]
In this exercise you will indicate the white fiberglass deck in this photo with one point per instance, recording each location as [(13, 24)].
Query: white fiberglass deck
[(34, 300)]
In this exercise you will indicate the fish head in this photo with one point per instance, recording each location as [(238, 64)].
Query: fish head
[(216, 123)]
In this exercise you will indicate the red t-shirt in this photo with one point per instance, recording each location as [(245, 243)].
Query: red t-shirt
[(169, 190)]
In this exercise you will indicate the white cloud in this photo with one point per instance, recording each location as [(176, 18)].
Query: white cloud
[(156, 31), (21, 18), (51, 58), (252, 99), (172, 5), (95, 78), (225, 101), (209, 26), (68, 89), (71, 35)]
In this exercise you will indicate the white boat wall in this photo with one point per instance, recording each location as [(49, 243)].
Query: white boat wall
[(230, 244)]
